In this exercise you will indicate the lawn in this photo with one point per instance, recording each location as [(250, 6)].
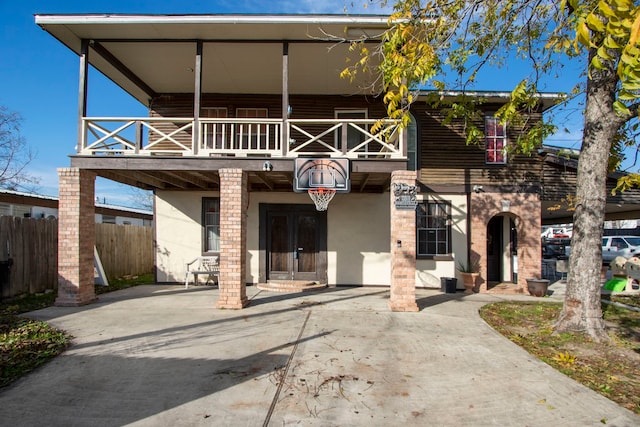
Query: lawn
[(26, 344), (610, 369)]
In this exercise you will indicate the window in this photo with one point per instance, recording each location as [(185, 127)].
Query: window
[(354, 136), (412, 144), (211, 224), (214, 134), (251, 135), (108, 219), (495, 141), (433, 226)]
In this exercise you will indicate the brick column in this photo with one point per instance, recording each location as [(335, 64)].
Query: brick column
[(234, 199), (76, 237), (403, 254)]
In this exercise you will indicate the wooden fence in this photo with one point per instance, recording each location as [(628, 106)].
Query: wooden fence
[(125, 249), (29, 253)]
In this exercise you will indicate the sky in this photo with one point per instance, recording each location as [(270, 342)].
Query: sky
[(39, 77)]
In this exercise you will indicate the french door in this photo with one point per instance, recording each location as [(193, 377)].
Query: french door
[(294, 238)]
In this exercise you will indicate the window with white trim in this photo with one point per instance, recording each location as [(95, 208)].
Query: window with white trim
[(354, 136), (495, 141), (433, 228), (251, 135), (215, 135), (211, 224)]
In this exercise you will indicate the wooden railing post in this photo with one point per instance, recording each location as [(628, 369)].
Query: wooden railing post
[(138, 136), (344, 147)]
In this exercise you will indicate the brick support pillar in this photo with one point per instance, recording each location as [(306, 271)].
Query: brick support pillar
[(76, 237), (403, 249), (234, 200)]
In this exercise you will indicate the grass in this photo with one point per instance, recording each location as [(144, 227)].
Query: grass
[(125, 282), (610, 369), (25, 343)]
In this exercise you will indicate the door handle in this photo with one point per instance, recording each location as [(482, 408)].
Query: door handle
[(300, 249)]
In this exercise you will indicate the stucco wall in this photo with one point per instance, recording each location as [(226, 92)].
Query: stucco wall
[(429, 271), (357, 237), (178, 231)]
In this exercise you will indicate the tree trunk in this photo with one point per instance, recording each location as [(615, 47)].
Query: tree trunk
[(581, 311)]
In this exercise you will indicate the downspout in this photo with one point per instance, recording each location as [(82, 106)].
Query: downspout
[(82, 92), (285, 99), (197, 96), (468, 228)]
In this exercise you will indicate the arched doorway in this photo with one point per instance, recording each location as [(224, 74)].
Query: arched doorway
[(502, 250)]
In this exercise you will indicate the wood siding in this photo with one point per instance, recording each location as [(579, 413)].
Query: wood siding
[(559, 180), (446, 160), (303, 107)]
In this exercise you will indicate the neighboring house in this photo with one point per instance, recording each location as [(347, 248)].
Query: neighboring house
[(233, 101), (29, 205)]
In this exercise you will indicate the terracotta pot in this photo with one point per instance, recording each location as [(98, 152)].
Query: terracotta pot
[(537, 287), (469, 281)]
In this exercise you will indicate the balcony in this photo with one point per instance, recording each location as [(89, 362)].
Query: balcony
[(228, 137)]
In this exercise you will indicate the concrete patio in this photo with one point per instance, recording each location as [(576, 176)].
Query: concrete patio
[(163, 356)]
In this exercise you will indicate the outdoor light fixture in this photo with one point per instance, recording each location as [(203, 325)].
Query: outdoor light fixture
[(399, 243), (267, 166)]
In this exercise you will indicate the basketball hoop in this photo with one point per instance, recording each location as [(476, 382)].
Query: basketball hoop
[(321, 197)]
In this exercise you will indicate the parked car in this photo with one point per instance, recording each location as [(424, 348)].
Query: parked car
[(555, 248), (625, 246)]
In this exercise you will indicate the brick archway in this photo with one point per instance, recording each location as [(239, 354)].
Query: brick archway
[(525, 209)]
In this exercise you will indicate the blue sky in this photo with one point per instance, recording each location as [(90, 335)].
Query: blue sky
[(39, 76)]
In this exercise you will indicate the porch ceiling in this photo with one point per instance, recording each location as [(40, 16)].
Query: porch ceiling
[(149, 55), (202, 174)]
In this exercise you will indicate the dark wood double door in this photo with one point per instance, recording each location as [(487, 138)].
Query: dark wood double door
[(294, 242)]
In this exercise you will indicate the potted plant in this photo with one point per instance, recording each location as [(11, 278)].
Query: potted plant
[(469, 273), (537, 287)]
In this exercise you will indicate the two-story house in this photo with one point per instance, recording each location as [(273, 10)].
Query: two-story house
[(246, 114)]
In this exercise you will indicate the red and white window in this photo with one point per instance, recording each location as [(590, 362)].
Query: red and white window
[(495, 141)]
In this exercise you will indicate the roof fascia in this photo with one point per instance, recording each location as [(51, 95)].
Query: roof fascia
[(70, 19)]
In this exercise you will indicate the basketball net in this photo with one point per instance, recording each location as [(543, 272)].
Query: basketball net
[(321, 197)]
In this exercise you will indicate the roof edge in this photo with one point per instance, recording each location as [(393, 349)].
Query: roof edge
[(107, 18)]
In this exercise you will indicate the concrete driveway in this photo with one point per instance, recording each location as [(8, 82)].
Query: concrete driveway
[(163, 356)]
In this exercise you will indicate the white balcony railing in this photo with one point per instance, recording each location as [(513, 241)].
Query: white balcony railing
[(240, 137)]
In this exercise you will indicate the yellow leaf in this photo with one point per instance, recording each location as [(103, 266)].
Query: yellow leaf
[(606, 9), (635, 31), (596, 63), (595, 23), (582, 33)]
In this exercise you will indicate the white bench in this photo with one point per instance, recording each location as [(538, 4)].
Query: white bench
[(208, 265)]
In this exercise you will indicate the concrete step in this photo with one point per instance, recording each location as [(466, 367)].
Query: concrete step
[(290, 286), (506, 289)]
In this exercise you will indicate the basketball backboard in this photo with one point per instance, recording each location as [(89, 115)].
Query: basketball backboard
[(313, 173)]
